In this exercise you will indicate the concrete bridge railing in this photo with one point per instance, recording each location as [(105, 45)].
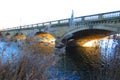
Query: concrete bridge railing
[(109, 21)]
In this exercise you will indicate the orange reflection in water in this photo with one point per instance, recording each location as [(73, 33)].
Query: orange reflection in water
[(20, 36), (44, 42), (93, 43)]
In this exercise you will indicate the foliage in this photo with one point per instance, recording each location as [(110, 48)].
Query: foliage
[(33, 65)]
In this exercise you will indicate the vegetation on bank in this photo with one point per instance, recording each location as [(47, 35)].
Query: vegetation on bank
[(37, 60), (33, 65)]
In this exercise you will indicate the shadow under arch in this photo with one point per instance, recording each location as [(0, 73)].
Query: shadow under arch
[(86, 33)]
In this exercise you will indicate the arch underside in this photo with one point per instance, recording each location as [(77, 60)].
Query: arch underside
[(86, 34)]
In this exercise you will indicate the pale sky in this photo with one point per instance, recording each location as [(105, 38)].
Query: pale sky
[(22, 12)]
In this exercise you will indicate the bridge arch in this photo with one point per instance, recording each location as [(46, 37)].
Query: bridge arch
[(101, 27), (87, 33)]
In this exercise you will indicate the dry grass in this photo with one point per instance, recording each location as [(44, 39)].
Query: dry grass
[(34, 65)]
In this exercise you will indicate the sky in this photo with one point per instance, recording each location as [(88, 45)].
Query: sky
[(14, 13)]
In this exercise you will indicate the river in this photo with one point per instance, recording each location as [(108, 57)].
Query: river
[(97, 63), (80, 63)]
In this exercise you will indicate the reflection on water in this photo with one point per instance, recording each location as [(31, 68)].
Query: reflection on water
[(9, 52), (108, 49), (98, 63), (44, 42), (43, 47), (65, 69), (92, 43), (81, 63)]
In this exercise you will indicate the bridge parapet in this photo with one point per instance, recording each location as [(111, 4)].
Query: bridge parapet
[(86, 20), (59, 27)]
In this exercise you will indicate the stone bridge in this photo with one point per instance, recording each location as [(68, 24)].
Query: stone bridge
[(63, 29)]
